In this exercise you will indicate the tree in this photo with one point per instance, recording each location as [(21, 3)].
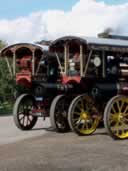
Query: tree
[(2, 44), (6, 85)]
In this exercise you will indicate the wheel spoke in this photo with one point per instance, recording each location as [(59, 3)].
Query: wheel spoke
[(21, 118), (76, 119), (77, 113), (115, 127), (25, 122), (86, 125), (28, 121), (113, 117), (117, 132), (122, 104), (78, 107), (117, 124), (82, 103), (125, 119), (20, 113), (113, 109), (112, 122), (122, 131), (118, 106), (78, 123), (125, 110), (89, 106), (61, 104), (83, 126), (125, 114)]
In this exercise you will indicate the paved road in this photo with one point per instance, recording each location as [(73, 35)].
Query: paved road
[(47, 151), (10, 133)]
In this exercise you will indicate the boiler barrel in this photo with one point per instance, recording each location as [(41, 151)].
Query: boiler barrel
[(44, 89), (109, 90), (105, 90)]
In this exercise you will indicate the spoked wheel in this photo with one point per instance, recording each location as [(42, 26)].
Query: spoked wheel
[(22, 112), (116, 117), (83, 116), (58, 114)]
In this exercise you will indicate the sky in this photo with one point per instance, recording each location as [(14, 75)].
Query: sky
[(33, 20), (11, 9), (114, 1), (16, 8)]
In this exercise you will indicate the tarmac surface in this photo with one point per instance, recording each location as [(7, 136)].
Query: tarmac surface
[(41, 150), (9, 133)]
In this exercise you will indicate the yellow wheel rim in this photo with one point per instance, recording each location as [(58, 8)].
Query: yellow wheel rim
[(83, 116), (118, 118)]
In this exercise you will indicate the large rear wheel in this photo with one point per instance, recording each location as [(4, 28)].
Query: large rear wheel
[(58, 114), (116, 117), (22, 112), (83, 116)]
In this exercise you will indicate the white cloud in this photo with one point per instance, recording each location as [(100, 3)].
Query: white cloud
[(87, 17)]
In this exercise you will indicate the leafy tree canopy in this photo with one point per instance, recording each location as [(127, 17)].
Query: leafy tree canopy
[(6, 82), (2, 44)]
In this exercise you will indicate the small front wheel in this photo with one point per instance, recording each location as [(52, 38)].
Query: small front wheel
[(22, 112), (116, 117), (58, 114)]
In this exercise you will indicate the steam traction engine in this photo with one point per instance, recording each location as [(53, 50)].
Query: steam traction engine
[(102, 89), (45, 81), (40, 78)]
